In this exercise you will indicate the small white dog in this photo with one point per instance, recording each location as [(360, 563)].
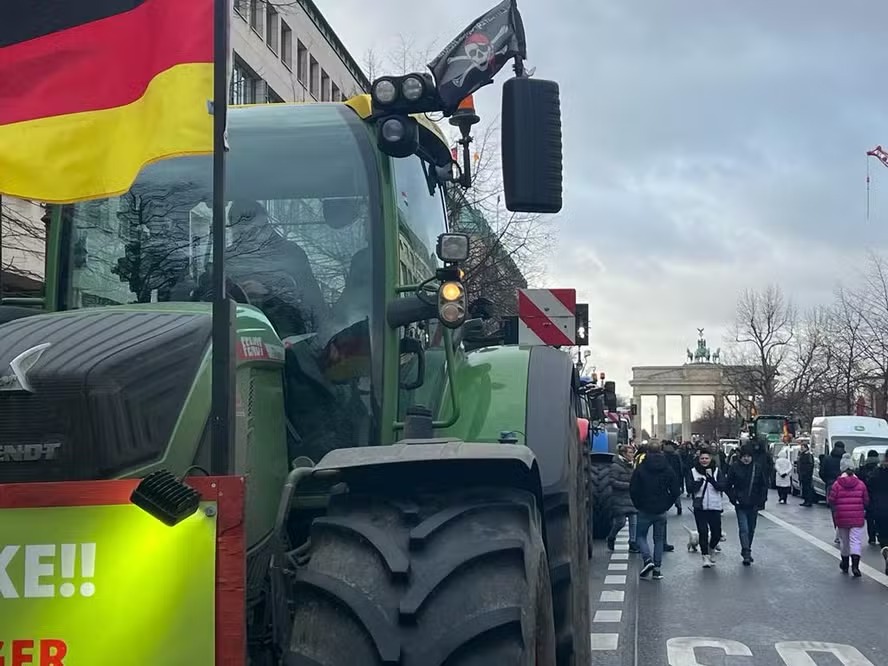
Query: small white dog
[(693, 539)]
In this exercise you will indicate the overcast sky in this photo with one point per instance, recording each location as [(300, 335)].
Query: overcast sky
[(710, 145)]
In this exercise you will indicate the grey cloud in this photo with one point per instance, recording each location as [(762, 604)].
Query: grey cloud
[(709, 146)]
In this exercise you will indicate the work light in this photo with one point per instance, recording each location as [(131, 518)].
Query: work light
[(165, 497), (453, 248)]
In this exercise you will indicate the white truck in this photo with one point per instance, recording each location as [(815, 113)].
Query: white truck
[(853, 431)]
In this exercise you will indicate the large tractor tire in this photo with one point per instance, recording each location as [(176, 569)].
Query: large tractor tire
[(600, 490), (567, 545), (587, 477), (458, 578)]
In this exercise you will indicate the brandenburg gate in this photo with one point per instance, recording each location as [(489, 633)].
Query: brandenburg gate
[(702, 374)]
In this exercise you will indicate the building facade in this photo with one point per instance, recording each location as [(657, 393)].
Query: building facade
[(282, 50), (285, 51)]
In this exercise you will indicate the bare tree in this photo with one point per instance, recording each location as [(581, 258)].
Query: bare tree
[(764, 327), (22, 236)]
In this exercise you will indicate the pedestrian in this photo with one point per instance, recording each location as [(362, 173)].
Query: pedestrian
[(705, 481), (877, 486), (805, 466), (747, 488), (674, 459), (622, 508), (782, 469), (830, 471), (866, 470), (653, 488), (849, 498)]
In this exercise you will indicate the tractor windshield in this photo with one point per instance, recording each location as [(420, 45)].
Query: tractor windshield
[(304, 231), (301, 203)]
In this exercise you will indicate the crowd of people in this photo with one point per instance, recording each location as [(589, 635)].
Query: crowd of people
[(649, 480)]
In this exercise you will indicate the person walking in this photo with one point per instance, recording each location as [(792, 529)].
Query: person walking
[(805, 466), (830, 469), (866, 470), (705, 482), (674, 459), (877, 486), (653, 489), (622, 508), (782, 470), (747, 488), (849, 498)]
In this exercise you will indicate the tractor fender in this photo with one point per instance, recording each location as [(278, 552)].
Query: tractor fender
[(440, 463), (583, 428), (549, 402)]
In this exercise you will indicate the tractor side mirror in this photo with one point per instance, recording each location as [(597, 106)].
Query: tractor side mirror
[(412, 347), (610, 396), (531, 145)]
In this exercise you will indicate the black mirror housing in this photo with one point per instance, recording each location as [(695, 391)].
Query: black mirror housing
[(532, 145)]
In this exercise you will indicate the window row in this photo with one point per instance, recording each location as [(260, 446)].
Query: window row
[(266, 22), (247, 87)]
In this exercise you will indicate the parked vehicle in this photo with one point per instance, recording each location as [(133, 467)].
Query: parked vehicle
[(856, 432)]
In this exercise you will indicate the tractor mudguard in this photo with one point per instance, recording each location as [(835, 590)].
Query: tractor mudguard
[(439, 462), (549, 399), (600, 443), (583, 428)]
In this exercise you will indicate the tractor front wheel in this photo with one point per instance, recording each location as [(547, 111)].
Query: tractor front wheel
[(458, 578)]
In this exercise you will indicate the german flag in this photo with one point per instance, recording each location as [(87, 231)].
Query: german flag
[(93, 90)]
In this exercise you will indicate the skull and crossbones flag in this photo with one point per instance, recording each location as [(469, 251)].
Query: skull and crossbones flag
[(471, 60)]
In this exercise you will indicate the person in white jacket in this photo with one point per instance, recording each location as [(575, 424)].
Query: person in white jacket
[(705, 479), (782, 472)]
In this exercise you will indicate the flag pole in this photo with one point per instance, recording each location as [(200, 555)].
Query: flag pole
[(222, 408)]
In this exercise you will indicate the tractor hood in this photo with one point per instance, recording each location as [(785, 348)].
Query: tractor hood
[(94, 393)]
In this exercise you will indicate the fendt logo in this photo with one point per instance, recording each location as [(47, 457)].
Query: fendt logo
[(13, 453)]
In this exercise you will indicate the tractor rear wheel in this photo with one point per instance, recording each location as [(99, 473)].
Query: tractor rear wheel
[(599, 482), (587, 483), (458, 578)]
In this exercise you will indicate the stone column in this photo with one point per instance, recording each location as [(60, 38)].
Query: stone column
[(661, 417), (720, 412), (685, 418)]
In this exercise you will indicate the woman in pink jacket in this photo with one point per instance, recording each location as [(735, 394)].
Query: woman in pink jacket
[(849, 498)]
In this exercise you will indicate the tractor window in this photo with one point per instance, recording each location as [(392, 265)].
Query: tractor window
[(421, 220), (304, 233)]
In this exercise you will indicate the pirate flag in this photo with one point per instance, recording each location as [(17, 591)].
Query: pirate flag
[(471, 60)]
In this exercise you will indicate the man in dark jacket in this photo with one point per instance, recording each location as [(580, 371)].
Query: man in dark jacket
[(866, 470), (805, 466), (877, 485), (654, 489), (622, 507), (829, 466), (747, 489), (674, 460)]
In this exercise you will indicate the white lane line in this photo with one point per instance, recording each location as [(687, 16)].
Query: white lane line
[(612, 596), (876, 575), (615, 580), (605, 641), (608, 616), (618, 566), (619, 557)]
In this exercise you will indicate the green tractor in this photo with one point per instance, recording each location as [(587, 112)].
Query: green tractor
[(408, 501)]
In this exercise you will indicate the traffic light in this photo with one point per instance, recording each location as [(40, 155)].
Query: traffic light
[(582, 315)]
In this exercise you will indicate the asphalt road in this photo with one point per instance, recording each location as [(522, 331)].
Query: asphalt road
[(793, 607)]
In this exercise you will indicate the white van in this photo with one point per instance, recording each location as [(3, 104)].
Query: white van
[(853, 431)]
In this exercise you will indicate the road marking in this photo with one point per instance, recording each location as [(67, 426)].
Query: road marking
[(621, 547), (605, 641), (795, 653), (680, 650), (615, 580), (618, 566), (608, 616), (612, 596), (619, 556), (875, 574)]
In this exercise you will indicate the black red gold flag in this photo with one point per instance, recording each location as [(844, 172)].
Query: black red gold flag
[(92, 90)]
